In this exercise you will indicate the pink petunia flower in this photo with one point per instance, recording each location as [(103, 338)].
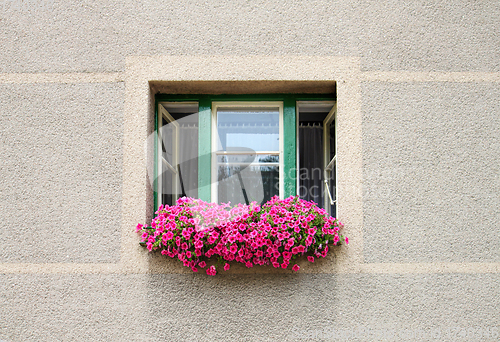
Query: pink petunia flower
[(296, 267), (226, 266), (211, 270), (280, 225), (309, 240), (311, 231)]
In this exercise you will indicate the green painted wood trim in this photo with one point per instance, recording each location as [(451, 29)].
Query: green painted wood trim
[(246, 97), (204, 149), (155, 171), (290, 146), (205, 132)]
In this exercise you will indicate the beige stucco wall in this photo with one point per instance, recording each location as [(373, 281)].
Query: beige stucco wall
[(418, 88)]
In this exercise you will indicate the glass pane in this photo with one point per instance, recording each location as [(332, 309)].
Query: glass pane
[(167, 141), (246, 159), (332, 139), (183, 133), (247, 183), (312, 160), (188, 155), (248, 128), (167, 178), (331, 182)]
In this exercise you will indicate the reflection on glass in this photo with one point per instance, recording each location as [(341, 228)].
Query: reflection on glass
[(332, 139), (250, 158), (177, 163), (245, 172), (167, 186), (167, 141), (244, 184), (331, 182), (250, 128)]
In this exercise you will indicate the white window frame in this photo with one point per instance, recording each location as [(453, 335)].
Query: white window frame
[(215, 140), (327, 161), (162, 162)]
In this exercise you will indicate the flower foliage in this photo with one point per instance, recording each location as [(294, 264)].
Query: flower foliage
[(274, 234)]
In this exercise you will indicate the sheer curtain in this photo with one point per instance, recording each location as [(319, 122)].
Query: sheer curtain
[(188, 159)]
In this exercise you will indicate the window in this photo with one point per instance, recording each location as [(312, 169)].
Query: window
[(317, 154), (243, 148), (247, 145)]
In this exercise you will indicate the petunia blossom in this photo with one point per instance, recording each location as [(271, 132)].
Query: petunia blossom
[(275, 233)]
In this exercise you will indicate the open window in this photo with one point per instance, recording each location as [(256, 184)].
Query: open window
[(177, 151), (317, 156), (239, 149)]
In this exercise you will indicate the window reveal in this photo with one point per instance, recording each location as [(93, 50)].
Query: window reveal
[(247, 158)]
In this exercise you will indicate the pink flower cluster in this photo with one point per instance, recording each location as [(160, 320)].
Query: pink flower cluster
[(275, 233)]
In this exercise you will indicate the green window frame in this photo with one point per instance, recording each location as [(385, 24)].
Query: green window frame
[(289, 181)]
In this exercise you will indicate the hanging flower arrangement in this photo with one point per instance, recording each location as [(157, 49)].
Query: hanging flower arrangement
[(275, 233)]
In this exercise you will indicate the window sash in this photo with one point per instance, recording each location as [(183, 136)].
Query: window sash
[(214, 143), (330, 162), (162, 163)]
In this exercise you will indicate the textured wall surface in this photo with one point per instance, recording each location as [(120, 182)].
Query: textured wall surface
[(431, 176), (418, 88), (61, 172), (396, 35), (245, 307), (72, 308)]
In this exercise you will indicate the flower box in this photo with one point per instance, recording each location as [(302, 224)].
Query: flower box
[(275, 233)]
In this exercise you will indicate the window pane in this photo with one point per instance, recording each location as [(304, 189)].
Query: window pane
[(331, 182), (167, 142), (188, 155), (247, 183), (249, 128), (332, 139), (167, 178), (250, 158), (178, 125), (312, 148)]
